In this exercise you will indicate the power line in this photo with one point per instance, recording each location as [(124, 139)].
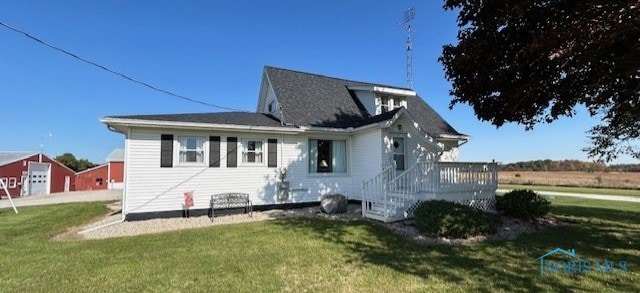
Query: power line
[(115, 72)]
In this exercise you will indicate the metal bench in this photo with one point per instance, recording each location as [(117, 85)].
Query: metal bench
[(230, 200)]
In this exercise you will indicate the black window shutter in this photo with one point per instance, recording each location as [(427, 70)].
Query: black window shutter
[(273, 153), (166, 150), (214, 151), (232, 152)]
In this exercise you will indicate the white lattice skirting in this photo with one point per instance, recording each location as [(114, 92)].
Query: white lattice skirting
[(408, 213), (483, 204)]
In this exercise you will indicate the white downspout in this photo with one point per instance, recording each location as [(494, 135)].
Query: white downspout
[(126, 172)]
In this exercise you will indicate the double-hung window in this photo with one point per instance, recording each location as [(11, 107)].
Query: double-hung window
[(385, 104), (327, 156), (252, 151), (191, 149), (389, 103)]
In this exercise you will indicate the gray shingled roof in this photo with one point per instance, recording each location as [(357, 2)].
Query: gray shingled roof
[(309, 99), (231, 118), (315, 100), (10, 157), (117, 155)]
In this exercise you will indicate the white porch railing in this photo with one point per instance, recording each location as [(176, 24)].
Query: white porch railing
[(389, 196), (374, 200)]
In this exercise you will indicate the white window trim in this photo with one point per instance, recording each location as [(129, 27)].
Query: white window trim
[(243, 148), (176, 152), (13, 182), (396, 101), (347, 173), (5, 180)]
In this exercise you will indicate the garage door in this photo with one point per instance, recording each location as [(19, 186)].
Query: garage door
[(38, 178)]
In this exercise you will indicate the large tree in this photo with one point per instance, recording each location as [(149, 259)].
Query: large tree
[(530, 62), (69, 160)]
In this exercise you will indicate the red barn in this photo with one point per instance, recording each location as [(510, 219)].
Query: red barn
[(109, 175), (31, 173)]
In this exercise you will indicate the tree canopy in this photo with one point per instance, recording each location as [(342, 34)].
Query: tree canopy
[(69, 160), (534, 61)]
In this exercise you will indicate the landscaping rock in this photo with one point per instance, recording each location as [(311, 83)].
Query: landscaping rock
[(132, 228), (334, 203)]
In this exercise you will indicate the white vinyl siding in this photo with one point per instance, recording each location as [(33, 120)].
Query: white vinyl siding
[(150, 188), (366, 159)]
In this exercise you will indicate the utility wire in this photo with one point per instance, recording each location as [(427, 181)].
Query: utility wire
[(115, 72)]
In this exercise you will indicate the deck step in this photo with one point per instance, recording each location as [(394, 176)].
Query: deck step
[(374, 216)]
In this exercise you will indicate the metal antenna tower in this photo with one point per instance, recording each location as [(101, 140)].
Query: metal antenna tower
[(408, 25)]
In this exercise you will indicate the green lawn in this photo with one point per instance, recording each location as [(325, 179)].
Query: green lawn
[(308, 255), (603, 191)]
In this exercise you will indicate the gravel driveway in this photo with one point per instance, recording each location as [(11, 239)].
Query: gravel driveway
[(64, 197)]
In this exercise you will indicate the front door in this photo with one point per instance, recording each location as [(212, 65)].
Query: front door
[(24, 183), (398, 149), (67, 182)]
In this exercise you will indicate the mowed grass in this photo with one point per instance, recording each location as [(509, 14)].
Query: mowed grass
[(308, 255), (602, 191)]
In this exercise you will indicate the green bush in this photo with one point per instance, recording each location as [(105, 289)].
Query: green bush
[(523, 204), (448, 219)]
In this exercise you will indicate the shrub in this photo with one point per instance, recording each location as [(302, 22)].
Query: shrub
[(523, 204), (445, 218), (518, 175)]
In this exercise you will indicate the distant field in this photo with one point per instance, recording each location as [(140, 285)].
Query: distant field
[(587, 190), (626, 180)]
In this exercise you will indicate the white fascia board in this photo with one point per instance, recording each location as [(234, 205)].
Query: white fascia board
[(315, 129), (385, 90), (382, 124), (115, 122), (453, 137)]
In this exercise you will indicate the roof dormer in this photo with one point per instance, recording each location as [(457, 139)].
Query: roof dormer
[(380, 99)]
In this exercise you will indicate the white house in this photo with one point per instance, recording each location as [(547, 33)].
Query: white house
[(310, 135)]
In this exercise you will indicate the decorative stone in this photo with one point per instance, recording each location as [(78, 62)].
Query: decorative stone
[(334, 203)]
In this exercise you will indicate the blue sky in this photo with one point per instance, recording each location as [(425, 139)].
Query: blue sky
[(215, 51)]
